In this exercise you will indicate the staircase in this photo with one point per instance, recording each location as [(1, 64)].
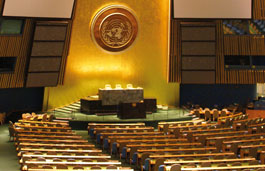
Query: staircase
[(66, 112)]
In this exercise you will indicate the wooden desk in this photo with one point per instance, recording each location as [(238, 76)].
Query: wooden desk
[(22, 144), (190, 155), (71, 163), (72, 137), (220, 168), (208, 161), (53, 122), (65, 157), (69, 132), (176, 150), (60, 150), (44, 127), (163, 145), (94, 125), (85, 169), (56, 141)]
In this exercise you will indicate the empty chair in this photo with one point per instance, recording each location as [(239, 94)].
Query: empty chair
[(223, 113), (95, 168), (207, 115), (47, 167), (190, 165), (61, 166), (70, 160), (215, 115), (175, 167), (57, 160), (51, 153), (41, 159), (207, 164), (236, 164), (232, 157), (159, 161), (102, 160), (87, 160), (254, 162), (112, 167), (218, 157), (222, 165), (78, 168)]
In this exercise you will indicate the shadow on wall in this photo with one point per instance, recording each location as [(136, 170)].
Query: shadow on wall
[(221, 95)]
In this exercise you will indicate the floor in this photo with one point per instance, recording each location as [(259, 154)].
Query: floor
[(8, 154)]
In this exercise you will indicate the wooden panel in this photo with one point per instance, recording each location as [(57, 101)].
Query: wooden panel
[(42, 79), (198, 48), (244, 45), (198, 33), (18, 46), (174, 66), (198, 63), (44, 64), (258, 9), (47, 49), (49, 32), (65, 53), (198, 77)]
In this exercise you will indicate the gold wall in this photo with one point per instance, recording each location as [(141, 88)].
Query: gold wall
[(143, 64)]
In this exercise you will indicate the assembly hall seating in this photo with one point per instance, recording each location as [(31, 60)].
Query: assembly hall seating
[(48, 145), (183, 145)]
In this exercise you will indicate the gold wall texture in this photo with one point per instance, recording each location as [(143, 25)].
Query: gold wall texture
[(143, 64)]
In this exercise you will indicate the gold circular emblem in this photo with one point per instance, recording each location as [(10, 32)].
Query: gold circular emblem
[(114, 28)]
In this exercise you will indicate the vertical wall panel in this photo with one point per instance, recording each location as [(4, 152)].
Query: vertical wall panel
[(175, 53), (47, 46)]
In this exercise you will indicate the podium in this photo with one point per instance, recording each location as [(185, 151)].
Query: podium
[(132, 110)]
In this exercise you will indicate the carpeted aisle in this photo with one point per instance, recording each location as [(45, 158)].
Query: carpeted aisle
[(8, 154)]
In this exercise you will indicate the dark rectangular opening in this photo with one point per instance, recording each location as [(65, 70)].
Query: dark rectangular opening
[(237, 60), (258, 60), (7, 64)]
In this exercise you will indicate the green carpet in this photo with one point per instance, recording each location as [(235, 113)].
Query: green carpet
[(8, 154)]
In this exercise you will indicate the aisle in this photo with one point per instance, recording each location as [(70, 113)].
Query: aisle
[(8, 154)]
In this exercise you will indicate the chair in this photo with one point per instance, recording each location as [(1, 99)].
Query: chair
[(159, 161), (102, 160), (215, 115), (78, 168), (57, 160), (95, 168), (190, 165), (254, 162), (47, 167), (51, 153), (87, 160), (236, 164), (207, 164), (61, 166), (44, 117), (111, 167), (207, 115), (222, 165), (41, 159), (175, 167), (223, 113), (12, 132)]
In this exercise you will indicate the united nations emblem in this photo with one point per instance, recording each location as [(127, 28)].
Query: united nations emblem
[(114, 28)]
